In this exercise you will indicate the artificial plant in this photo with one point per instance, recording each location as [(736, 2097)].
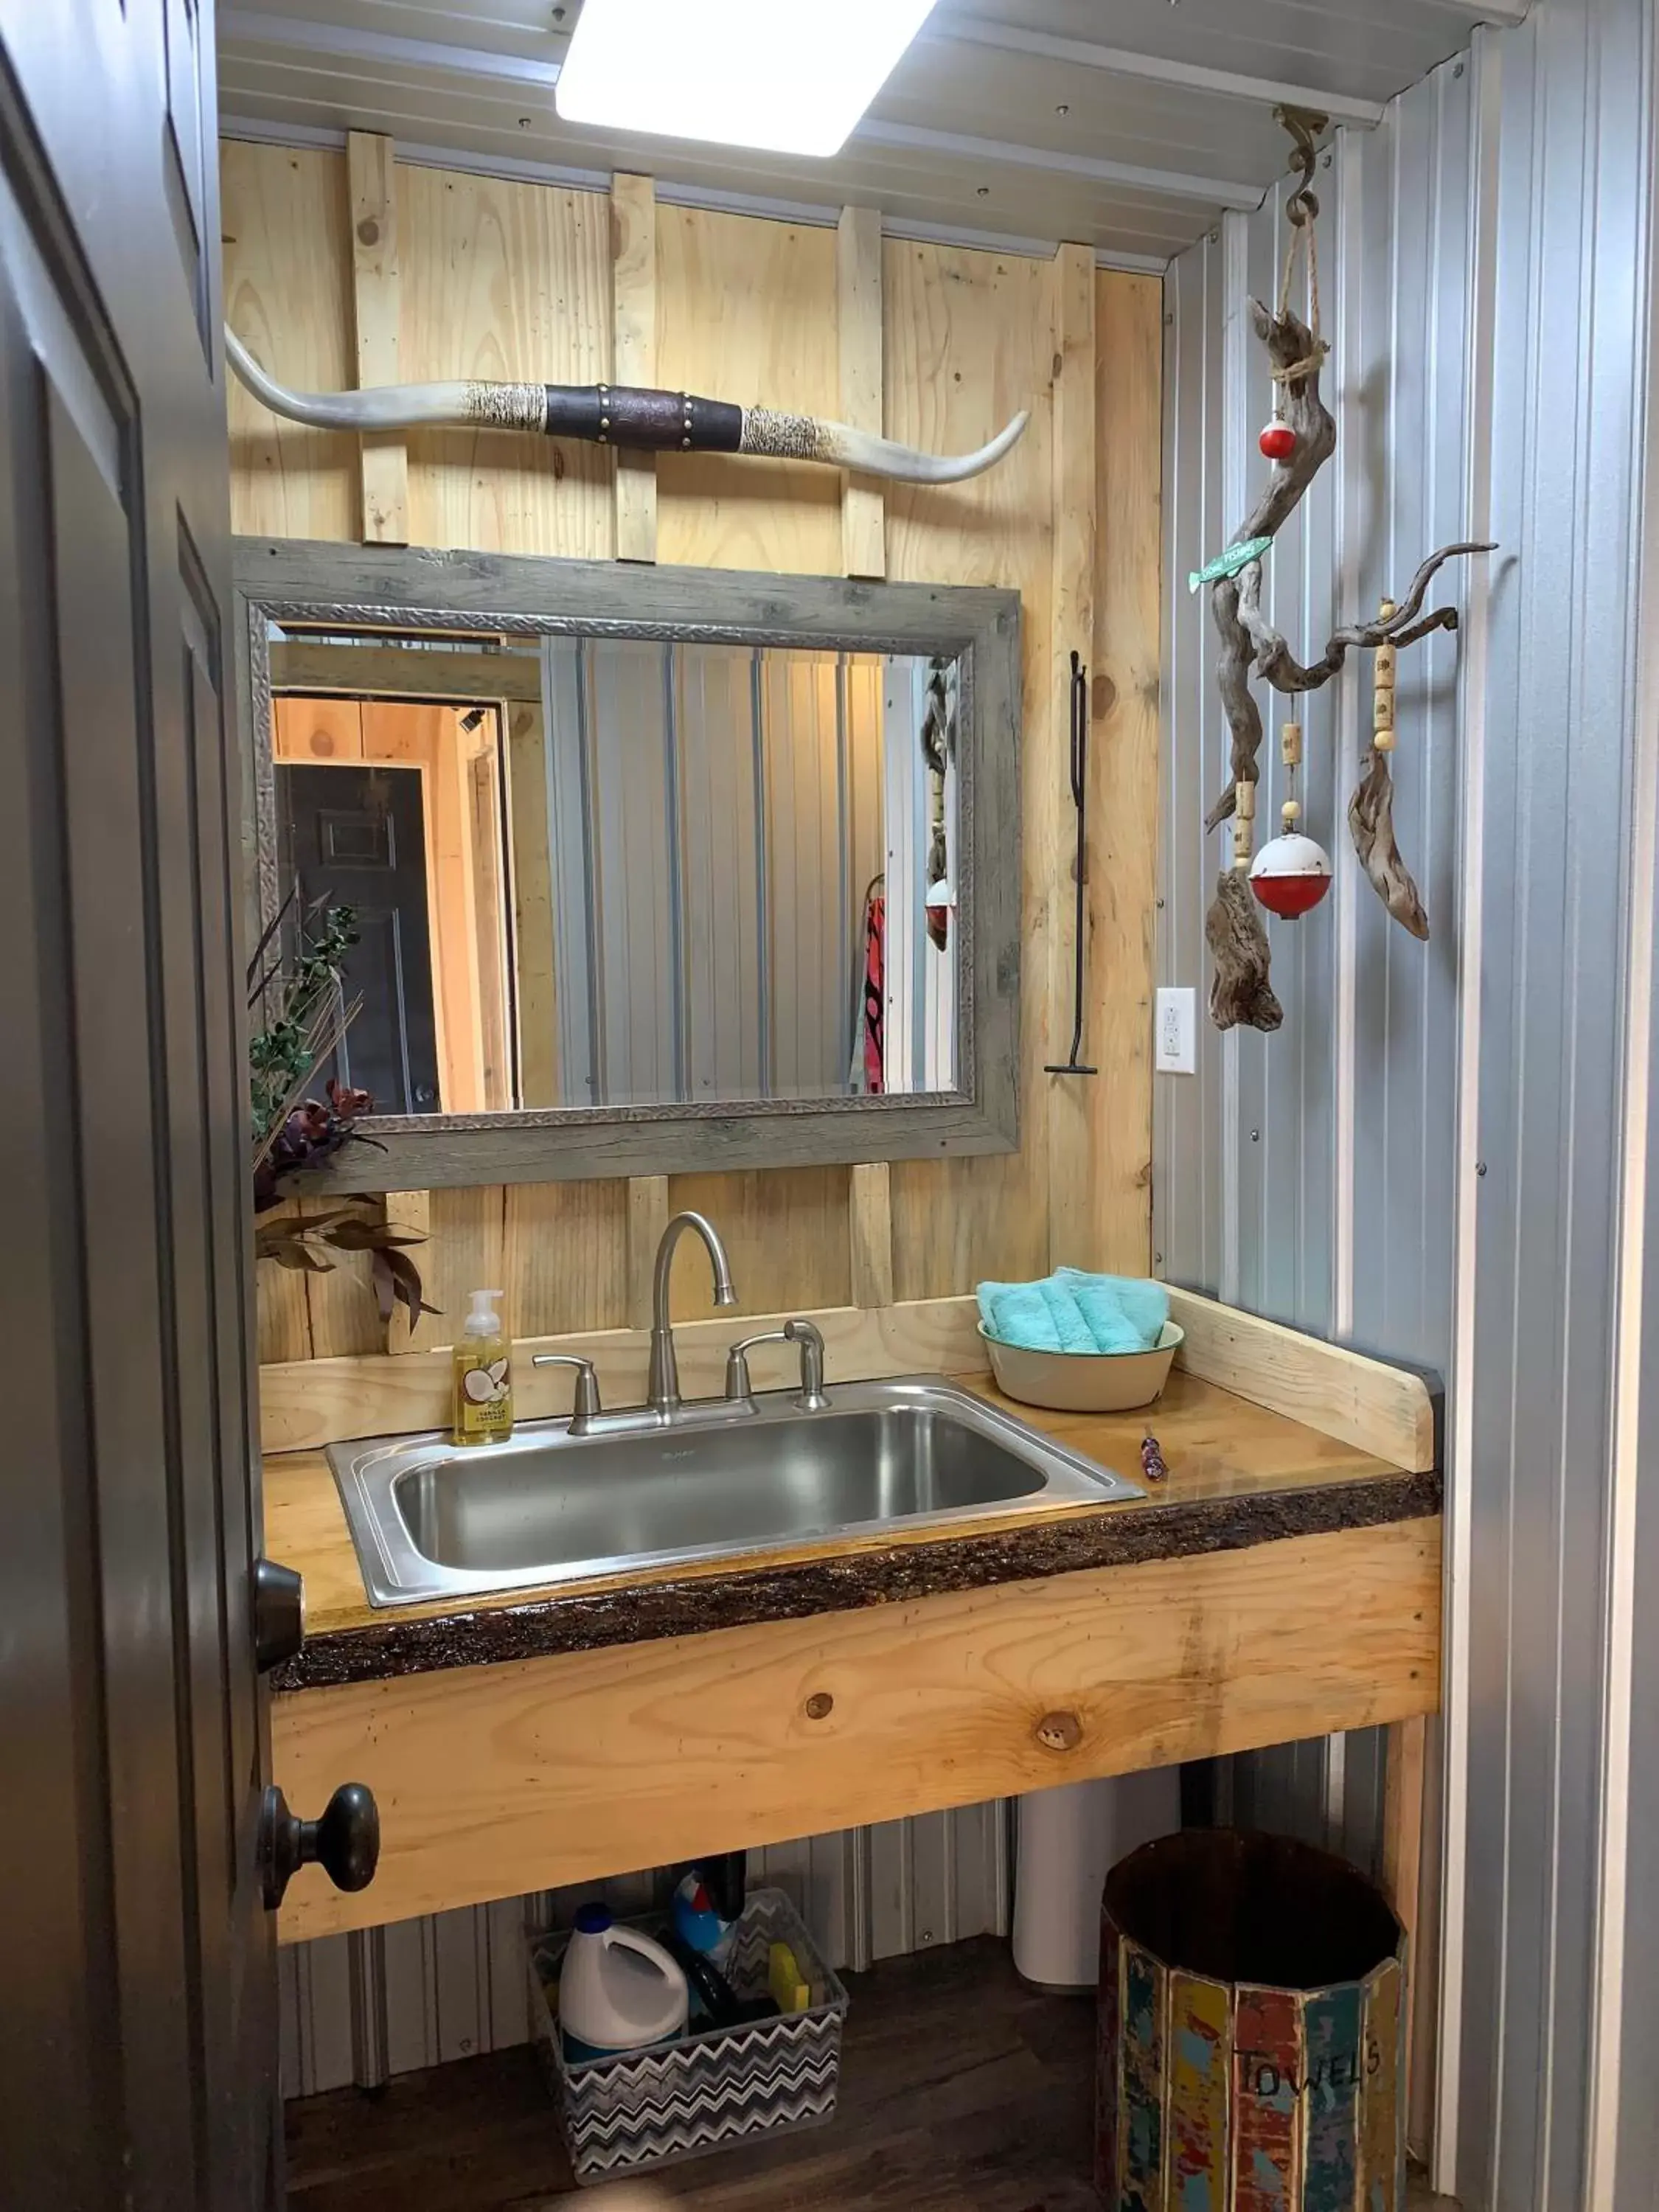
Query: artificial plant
[(298, 1013)]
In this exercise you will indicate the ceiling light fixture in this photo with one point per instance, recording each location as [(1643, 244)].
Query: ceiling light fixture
[(789, 78)]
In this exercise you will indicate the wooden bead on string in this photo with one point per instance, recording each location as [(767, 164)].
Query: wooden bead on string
[(1290, 751), (1291, 873), (1382, 731)]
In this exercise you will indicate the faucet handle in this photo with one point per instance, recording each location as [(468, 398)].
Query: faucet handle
[(738, 1388), (811, 1340), (585, 1404)]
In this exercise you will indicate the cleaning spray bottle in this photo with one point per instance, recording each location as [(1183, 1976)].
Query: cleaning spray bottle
[(483, 1376)]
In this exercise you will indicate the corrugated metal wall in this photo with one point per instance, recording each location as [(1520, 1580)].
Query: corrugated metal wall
[(1568, 105), (1309, 1176), (1441, 1156), (714, 813), (452, 1985)]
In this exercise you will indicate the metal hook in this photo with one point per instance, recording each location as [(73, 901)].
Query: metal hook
[(1305, 126)]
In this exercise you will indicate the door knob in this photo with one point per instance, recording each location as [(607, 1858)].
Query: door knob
[(345, 1842), (279, 1613)]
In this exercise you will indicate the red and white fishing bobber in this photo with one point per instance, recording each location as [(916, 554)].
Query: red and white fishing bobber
[(1290, 874), (1278, 440)]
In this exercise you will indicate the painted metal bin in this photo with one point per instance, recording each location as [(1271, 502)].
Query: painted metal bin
[(1252, 2032)]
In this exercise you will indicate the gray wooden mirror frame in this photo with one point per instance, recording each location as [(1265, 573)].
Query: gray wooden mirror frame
[(287, 580)]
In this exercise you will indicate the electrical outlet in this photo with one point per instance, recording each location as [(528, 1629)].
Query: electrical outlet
[(1176, 1032)]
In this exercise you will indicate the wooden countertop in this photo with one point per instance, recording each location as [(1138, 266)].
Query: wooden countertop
[(1239, 1475)]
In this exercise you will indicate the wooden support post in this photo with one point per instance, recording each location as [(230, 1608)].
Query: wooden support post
[(864, 553), (633, 350), (871, 1223), (648, 1217), (1073, 1101), (858, 285), (1402, 1874), (371, 172)]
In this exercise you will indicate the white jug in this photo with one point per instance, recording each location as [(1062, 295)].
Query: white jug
[(617, 1989)]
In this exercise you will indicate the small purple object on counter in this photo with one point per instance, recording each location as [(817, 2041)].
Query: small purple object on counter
[(1152, 1460)]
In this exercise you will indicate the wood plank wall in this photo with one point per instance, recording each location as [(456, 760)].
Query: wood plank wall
[(503, 279)]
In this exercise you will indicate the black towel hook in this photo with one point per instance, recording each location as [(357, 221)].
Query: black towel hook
[(1079, 770)]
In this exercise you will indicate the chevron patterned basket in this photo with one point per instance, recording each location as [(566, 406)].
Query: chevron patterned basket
[(680, 2099)]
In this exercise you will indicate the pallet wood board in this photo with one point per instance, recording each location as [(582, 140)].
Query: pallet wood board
[(507, 278), (377, 293), (746, 311), (1322, 1388), (968, 342), (1337, 1391), (494, 1781), (286, 219)]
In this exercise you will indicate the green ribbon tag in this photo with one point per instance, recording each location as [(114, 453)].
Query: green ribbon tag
[(1229, 563)]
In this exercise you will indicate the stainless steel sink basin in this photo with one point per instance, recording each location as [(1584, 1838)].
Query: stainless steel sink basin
[(429, 1520)]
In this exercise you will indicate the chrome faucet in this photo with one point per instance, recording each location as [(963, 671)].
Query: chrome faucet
[(585, 1407), (663, 1389), (810, 1398)]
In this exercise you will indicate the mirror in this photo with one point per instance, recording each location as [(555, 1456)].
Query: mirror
[(648, 862), (593, 872)]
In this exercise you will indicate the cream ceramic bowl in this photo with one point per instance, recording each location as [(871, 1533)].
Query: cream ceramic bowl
[(1083, 1381)]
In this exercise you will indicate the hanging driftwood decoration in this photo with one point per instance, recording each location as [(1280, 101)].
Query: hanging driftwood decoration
[(1299, 441)]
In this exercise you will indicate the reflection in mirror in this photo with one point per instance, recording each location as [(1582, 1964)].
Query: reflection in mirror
[(594, 872)]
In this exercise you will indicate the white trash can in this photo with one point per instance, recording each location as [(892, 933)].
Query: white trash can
[(1068, 1840)]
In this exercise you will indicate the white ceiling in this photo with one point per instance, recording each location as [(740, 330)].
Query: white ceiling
[(1128, 124)]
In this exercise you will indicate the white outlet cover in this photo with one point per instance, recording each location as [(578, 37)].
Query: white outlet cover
[(1175, 1035)]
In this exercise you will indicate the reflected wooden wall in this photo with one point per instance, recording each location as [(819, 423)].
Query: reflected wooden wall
[(501, 279)]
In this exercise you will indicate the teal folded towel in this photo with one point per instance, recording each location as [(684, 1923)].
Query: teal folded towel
[(1131, 1301), (1072, 1311), (1041, 1316)]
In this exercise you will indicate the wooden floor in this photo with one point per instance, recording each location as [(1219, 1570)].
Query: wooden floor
[(960, 2089)]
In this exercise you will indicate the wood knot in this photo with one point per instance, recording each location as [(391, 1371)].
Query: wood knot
[(369, 231), (322, 743), (1104, 698), (1060, 1731), (820, 1705)]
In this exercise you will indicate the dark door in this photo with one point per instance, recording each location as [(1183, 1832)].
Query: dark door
[(137, 2026), (355, 835)]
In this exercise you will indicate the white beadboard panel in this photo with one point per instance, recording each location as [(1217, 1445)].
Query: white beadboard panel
[(453, 1984), (316, 2017)]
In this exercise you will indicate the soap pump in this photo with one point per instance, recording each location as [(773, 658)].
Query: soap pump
[(483, 1376)]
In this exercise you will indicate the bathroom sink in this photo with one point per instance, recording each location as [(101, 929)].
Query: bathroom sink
[(430, 1520)]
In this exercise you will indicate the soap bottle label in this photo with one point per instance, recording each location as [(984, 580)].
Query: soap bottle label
[(484, 1395)]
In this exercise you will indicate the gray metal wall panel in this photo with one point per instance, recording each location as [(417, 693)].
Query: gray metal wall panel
[(1510, 196), (1309, 1176), (1572, 304), (720, 929), (1256, 1194)]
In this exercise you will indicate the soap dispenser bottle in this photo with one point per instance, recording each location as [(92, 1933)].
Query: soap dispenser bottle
[(483, 1376)]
